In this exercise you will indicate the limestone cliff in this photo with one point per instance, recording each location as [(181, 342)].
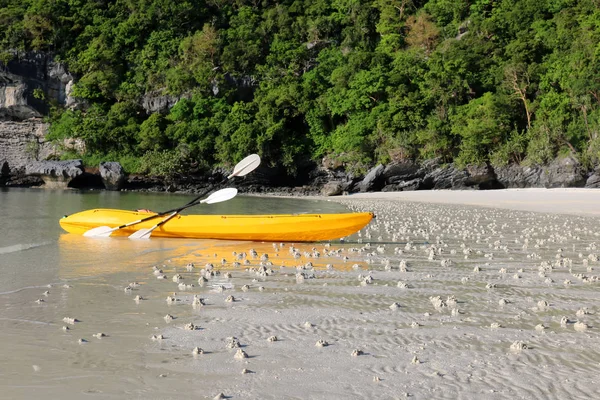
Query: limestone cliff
[(29, 83)]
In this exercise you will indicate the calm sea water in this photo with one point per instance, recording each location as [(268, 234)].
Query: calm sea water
[(47, 275), (31, 240)]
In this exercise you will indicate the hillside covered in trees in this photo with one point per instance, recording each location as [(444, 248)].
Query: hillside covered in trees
[(358, 81)]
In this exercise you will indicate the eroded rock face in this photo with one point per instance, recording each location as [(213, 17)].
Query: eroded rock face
[(395, 173), (593, 182), (55, 174), (4, 172), (14, 102), (112, 174), (23, 141), (563, 172), (333, 188), (517, 176), (445, 177), (29, 82), (373, 181)]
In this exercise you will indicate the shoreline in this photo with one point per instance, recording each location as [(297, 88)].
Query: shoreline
[(570, 201)]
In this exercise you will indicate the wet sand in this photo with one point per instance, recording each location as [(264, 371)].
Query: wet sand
[(430, 301)]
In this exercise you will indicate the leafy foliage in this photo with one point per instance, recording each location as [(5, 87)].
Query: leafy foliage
[(363, 81)]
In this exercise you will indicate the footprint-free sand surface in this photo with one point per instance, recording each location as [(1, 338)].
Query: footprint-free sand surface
[(445, 295)]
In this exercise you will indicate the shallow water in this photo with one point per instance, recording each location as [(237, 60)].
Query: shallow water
[(37, 256), (473, 258)]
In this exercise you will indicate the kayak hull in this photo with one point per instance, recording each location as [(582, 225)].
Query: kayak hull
[(273, 228)]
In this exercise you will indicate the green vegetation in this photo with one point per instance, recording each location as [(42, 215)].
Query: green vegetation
[(469, 81)]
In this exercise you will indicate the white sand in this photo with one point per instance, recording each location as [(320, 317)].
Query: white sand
[(431, 301), (561, 201)]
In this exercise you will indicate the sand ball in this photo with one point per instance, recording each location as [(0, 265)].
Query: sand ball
[(232, 343), (580, 326), (240, 354), (189, 327), (518, 346)]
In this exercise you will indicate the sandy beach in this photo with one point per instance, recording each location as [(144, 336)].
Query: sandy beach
[(575, 201), (445, 295)]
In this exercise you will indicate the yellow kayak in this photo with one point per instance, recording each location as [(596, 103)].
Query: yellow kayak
[(272, 228)]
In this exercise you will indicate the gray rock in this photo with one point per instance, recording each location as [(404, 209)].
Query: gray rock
[(155, 101), (517, 176), (112, 174), (373, 181), (4, 168), (445, 177), (4, 172), (482, 176), (22, 76), (563, 172), (404, 186), (593, 182), (399, 172), (56, 174), (14, 103), (332, 188), (21, 142)]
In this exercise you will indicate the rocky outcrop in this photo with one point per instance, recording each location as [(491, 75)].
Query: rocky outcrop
[(55, 174), (333, 188), (593, 181), (562, 173), (29, 83), (397, 172), (444, 177), (4, 172), (517, 176), (23, 141), (155, 101), (14, 95), (112, 174), (373, 181)]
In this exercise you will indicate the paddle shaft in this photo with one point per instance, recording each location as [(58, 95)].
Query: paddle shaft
[(162, 214), (162, 222), (175, 212), (192, 203), (242, 168)]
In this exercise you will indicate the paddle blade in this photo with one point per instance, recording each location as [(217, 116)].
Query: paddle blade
[(246, 166), (141, 234), (100, 231), (221, 195)]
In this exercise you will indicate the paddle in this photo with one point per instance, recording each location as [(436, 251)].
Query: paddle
[(216, 197), (242, 168)]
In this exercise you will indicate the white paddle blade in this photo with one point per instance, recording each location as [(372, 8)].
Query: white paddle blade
[(100, 231), (221, 195), (141, 234), (245, 166)]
